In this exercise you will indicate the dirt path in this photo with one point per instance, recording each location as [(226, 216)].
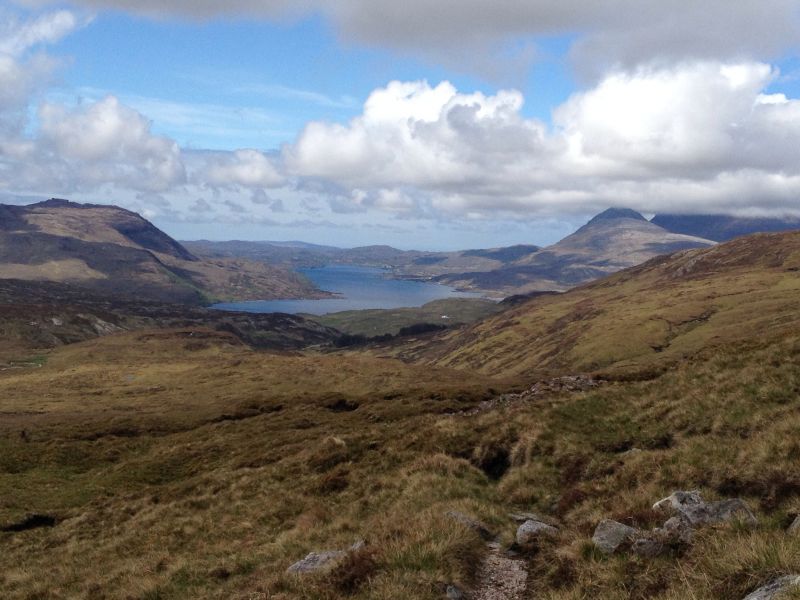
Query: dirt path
[(501, 577)]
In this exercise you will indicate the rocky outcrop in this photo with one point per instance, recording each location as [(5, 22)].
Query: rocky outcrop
[(610, 536), (775, 589), (697, 512)]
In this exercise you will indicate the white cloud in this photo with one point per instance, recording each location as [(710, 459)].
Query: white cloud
[(107, 142), (17, 37), (700, 135), (248, 168)]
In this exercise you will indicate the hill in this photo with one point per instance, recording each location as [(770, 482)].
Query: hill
[(36, 317), (218, 467), (661, 311), (611, 241), (722, 228), (404, 263), (107, 249)]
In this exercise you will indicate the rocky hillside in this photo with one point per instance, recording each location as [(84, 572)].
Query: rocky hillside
[(107, 249), (611, 241)]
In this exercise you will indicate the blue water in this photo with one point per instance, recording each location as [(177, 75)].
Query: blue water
[(359, 288)]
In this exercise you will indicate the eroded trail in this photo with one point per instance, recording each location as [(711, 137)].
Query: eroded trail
[(501, 577)]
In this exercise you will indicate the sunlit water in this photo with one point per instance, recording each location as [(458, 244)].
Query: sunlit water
[(359, 288)]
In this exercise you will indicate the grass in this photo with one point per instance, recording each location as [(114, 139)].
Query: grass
[(372, 323), (179, 472), (178, 469)]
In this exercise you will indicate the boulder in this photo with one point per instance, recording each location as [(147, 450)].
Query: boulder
[(698, 512), (466, 521), (453, 593), (674, 535), (609, 536), (317, 561), (532, 531), (794, 528), (774, 590)]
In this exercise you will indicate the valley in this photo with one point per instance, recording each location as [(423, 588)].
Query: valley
[(198, 453)]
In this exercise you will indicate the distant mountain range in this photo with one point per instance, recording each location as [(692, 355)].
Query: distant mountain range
[(613, 240), (107, 249), (722, 228)]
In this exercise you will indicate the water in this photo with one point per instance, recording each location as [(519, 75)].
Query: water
[(359, 288)]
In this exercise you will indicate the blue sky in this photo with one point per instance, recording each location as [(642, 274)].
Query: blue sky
[(426, 124)]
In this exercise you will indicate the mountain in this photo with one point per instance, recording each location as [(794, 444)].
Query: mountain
[(404, 263), (721, 228), (611, 241), (667, 308), (108, 249)]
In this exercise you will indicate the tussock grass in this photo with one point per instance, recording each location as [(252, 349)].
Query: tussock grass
[(212, 486)]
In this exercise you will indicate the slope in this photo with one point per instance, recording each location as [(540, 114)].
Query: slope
[(112, 250), (651, 314)]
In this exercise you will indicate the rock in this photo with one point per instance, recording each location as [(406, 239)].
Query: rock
[(794, 528), (453, 593), (775, 589), (316, 561), (480, 528), (648, 547), (678, 501), (359, 545), (610, 535), (677, 531), (698, 512), (532, 531), (522, 517)]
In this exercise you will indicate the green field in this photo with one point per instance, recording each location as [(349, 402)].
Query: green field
[(371, 323)]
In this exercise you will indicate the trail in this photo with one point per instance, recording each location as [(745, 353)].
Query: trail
[(501, 577)]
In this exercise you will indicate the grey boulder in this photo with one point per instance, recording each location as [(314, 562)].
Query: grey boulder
[(609, 536), (532, 531), (697, 512), (316, 561), (774, 590)]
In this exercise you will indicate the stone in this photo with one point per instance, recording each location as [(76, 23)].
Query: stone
[(453, 593), (610, 535), (466, 521), (774, 590), (532, 531), (316, 561), (698, 512), (522, 517), (648, 547), (794, 528)]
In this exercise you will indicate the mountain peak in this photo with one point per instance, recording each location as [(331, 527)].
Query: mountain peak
[(618, 213)]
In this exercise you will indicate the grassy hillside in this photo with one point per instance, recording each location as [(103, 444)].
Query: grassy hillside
[(163, 465), (653, 314), (178, 468), (377, 322)]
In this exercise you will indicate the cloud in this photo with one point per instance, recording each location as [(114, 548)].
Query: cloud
[(108, 142), (621, 33), (248, 168), (17, 37), (699, 136)]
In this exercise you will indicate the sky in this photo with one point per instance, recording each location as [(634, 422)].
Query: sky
[(428, 124)]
